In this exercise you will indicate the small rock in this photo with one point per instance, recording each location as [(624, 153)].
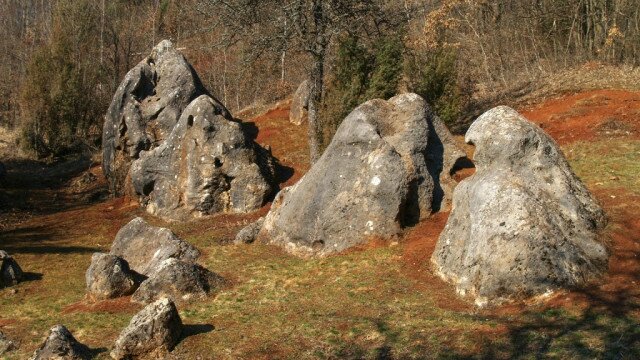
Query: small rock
[(248, 234), (300, 103), (144, 246), (10, 272), (179, 281), (109, 277), (61, 345), (154, 331), (6, 344)]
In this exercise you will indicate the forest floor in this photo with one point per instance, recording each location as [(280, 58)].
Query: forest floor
[(378, 302)]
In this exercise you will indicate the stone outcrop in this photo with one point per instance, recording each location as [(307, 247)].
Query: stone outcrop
[(109, 277), (523, 225), (10, 272), (145, 247), (167, 141), (146, 107), (206, 165), (179, 281), (374, 178), (300, 103), (61, 345), (152, 332)]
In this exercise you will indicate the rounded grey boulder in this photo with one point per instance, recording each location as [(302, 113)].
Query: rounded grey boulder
[(61, 345), (300, 103), (523, 225), (179, 281), (10, 272), (109, 277), (152, 332), (374, 178), (144, 247)]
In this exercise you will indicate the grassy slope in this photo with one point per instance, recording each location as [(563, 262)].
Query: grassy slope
[(377, 302)]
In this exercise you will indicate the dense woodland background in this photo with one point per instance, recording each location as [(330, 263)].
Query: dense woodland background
[(61, 60)]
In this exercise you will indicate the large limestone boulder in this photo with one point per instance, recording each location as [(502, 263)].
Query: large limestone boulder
[(206, 165), (146, 107), (152, 332), (61, 345), (167, 141), (109, 277), (372, 180), (10, 272), (179, 281), (145, 247), (523, 225), (300, 103)]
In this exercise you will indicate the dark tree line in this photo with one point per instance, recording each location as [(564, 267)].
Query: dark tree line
[(62, 59)]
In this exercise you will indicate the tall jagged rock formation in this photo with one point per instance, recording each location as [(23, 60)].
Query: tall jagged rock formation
[(172, 144)]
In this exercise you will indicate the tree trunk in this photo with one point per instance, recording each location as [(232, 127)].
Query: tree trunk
[(315, 98)]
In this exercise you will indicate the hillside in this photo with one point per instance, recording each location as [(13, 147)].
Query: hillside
[(381, 301)]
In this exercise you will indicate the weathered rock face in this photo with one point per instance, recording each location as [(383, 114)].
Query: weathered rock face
[(146, 107), (109, 277), (300, 103), (373, 179), (167, 140), (144, 247), (10, 272), (523, 224), (206, 165), (153, 331), (61, 345), (179, 281)]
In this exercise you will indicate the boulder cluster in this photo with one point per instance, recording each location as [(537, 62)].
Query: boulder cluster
[(149, 263), (151, 334), (170, 143), (522, 226), (156, 268)]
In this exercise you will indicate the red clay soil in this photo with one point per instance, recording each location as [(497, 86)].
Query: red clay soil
[(111, 306), (588, 115), (418, 244)]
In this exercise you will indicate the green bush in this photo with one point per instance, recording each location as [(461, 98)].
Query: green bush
[(434, 76), (360, 74), (59, 97)]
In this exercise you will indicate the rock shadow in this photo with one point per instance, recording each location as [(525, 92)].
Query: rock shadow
[(194, 329)]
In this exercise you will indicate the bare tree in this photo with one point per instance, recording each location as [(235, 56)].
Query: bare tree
[(300, 25)]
